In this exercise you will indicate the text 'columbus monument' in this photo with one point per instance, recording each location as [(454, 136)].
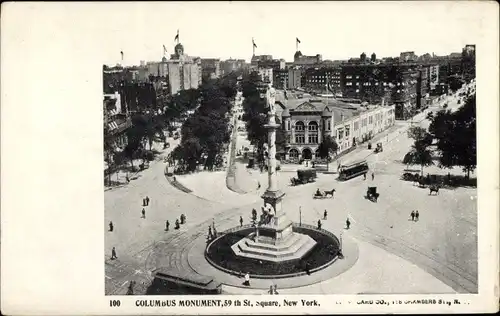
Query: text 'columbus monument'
[(273, 239)]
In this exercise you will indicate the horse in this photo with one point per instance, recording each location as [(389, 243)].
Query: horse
[(433, 188), (327, 193)]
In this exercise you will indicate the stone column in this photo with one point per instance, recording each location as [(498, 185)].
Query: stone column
[(271, 141)]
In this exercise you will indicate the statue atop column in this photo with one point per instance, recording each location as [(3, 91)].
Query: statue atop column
[(271, 98)]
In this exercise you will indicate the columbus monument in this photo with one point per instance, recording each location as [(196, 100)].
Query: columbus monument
[(273, 238)]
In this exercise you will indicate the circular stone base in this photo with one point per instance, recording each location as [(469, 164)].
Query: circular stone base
[(198, 262), (221, 255)]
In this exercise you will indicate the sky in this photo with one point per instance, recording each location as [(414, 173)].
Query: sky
[(337, 30)]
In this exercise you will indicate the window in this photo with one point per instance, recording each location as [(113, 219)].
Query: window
[(348, 83), (288, 125), (313, 138), (370, 119), (357, 90), (347, 129), (356, 125), (313, 126), (294, 153), (340, 133), (328, 122), (300, 139), (357, 83), (299, 126)]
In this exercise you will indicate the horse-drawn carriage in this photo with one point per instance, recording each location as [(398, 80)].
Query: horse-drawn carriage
[(324, 194), (304, 176), (379, 148), (371, 194)]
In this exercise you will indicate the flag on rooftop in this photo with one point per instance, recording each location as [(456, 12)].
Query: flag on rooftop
[(253, 42), (177, 36), (297, 39)]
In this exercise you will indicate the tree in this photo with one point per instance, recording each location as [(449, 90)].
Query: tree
[(327, 147), (420, 134), (418, 155), (455, 134)]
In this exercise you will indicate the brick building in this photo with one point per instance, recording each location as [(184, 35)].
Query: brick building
[(317, 78)]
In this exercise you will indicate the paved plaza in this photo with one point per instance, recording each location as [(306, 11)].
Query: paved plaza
[(437, 254)]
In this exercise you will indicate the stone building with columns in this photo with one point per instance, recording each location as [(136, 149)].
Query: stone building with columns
[(307, 122)]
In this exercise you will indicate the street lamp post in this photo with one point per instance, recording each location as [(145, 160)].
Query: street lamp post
[(341, 241), (300, 215)]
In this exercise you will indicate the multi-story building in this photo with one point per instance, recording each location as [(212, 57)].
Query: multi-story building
[(407, 56), (210, 68), (317, 79), (306, 61), (280, 78), (116, 122), (376, 83), (307, 122), (184, 72), (266, 75), (230, 65), (294, 78), (469, 62), (433, 76), (440, 89)]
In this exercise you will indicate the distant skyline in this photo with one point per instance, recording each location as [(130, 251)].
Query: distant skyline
[(336, 30)]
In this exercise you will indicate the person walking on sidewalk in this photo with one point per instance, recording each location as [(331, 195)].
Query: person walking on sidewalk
[(247, 279), (416, 216), (143, 213), (110, 226), (373, 176), (241, 221), (412, 214), (147, 200), (325, 214), (113, 254), (167, 225), (347, 223)]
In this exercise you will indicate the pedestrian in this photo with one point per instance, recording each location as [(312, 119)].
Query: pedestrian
[(110, 226), (412, 215), (364, 176), (130, 290), (258, 185), (215, 232), (241, 221), (143, 202), (143, 213), (127, 178), (210, 236), (325, 214), (113, 254), (416, 216), (177, 225), (347, 223), (276, 289), (247, 279), (147, 200), (319, 224), (271, 291), (167, 225), (373, 176)]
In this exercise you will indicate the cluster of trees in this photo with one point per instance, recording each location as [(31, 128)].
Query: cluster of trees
[(207, 131), (204, 112), (255, 116), (454, 136)]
